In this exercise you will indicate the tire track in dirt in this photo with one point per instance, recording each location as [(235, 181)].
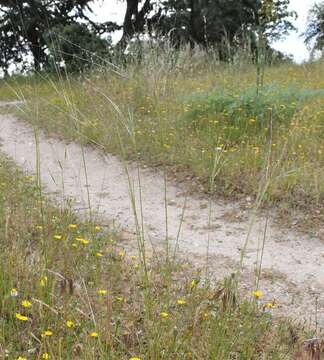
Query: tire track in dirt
[(293, 271)]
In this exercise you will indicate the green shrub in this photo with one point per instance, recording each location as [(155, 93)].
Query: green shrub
[(77, 47), (247, 107)]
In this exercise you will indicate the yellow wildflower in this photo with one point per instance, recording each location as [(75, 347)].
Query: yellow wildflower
[(39, 227), (121, 253), (43, 281), (164, 315), (134, 358), (26, 303), (58, 237), (257, 294), (46, 333), (21, 358), (269, 305), (82, 240), (181, 302), (93, 334), (70, 324), (99, 254), (102, 292), (193, 283), (14, 292), (72, 226), (45, 356), (97, 228), (21, 317)]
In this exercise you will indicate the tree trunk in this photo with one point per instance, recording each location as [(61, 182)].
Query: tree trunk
[(128, 28), (192, 29), (35, 48), (134, 21)]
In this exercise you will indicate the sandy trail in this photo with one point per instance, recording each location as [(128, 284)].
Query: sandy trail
[(293, 270)]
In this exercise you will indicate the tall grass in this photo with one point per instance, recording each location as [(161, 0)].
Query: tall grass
[(184, 107), (83, 296)]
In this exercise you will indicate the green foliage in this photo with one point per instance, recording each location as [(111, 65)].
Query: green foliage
[(77, 46), (8, 42), (60, 300), (23, 25), (225, 25), (274, 18), (247, 106), (315, 28), (206, 22), (154, 98)]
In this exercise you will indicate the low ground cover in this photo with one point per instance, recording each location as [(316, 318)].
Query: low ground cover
[(70, 289)]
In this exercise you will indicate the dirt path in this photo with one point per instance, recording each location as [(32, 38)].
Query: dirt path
[(293, 270)]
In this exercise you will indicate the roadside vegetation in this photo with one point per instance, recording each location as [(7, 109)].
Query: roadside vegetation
[(215, 107), (181, 112), (72, 289)]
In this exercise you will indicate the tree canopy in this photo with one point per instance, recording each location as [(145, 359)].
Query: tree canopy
[(25, 27), (314, 35), (24, 23), (38, 28), (77, 46), (208, 23)]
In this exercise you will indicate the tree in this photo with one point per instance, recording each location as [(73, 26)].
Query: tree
[(9, 45), (273, 21), (274, 18), (23, 25), (77, 46), (315, 28), (212, 23), (134, 20), (217, 24)]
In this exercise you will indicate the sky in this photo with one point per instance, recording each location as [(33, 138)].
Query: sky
[(294, 44), (113, 10)]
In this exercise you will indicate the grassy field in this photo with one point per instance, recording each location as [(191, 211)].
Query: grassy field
[(188, 114), (72, 289), (69, 290)]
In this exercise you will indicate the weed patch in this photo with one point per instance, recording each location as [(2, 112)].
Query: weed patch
[(70, 289), (248, 107), (184, 116)]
